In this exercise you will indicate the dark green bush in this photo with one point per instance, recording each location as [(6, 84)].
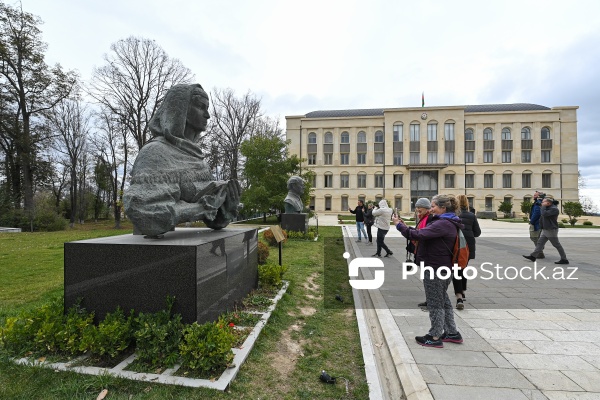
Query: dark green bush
[(157, 337), (589, 223), (270, 274), (207, 347), (263, 252), (113, 335)]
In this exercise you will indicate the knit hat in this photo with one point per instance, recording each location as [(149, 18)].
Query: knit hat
[(551, 198), (423, 203)]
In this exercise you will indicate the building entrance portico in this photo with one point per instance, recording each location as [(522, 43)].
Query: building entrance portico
[(422, 184)]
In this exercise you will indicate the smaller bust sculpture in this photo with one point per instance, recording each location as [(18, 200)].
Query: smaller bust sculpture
[(293, 201)]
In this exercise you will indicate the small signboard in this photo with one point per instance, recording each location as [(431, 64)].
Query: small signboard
[(277, 233)]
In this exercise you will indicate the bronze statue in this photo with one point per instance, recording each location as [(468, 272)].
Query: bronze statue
[(293, 200), (170, 181)]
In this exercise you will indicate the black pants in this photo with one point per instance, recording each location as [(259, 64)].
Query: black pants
[(460, 283), (380, 245), (369, 232)]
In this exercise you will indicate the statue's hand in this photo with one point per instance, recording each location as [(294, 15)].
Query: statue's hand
[(232, 199)]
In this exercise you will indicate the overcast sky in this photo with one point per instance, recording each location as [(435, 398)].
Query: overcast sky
[(305, 55)]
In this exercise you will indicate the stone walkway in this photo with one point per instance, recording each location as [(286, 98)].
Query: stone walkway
[(524, 338)]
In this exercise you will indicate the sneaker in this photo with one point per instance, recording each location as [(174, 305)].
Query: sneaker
[(464, 298), (452, 338), (427, 341), (369, 243), (358, 241), (376, 255), (388, 254), (459, 304), (565, 261), (423, 304), (530, 258)]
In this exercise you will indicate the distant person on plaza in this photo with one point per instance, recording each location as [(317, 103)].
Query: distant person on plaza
[(383, 214), (369, 220), (434, 241), (549, 225), (359, 211), (534, 219), (471, 230)]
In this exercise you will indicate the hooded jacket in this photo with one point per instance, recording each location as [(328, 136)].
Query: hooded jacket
[(436, 240), (383, 215), (535, 215)]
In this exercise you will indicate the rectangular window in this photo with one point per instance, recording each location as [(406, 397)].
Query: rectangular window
[(344, 203), (379, 181), (398, 133), (526, 180), (449, 157), (506, 156), (313, 181), (449, 131), (398, 158), (545, 155), (432, 132), (344, 158), (328, 181), (469, 156), (344, 181), (415, 157), (432, 157), (488, 156), (362, 180), (414, 133), (378, 158), (449, 180), (488, 180), (398, 180), (470, 181), (312, 159), (526, 156), (506, 181), (398, 203), (328, 158), (328, 203), (361, 158), (546, 180)]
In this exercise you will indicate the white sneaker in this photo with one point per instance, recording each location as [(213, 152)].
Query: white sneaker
[(358, 241)]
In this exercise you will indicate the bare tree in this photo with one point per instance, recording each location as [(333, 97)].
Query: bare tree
[(70, 121), (137, 74), (27, 86), (232, 120)]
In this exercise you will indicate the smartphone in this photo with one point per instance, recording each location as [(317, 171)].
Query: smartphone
[(395, 212)]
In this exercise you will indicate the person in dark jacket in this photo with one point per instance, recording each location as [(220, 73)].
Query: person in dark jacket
[(534, 219), (359, 211), (434, 241), (369, 220), (471, 230), (549, 225)]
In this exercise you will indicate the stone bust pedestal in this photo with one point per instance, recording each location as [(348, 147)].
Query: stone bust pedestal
[(293, 219)]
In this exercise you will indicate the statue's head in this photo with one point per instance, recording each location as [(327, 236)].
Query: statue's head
[(183, 106), (296, 185)]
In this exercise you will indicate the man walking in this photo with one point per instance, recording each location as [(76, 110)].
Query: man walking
[(359, 211), (534, 219), (549, 225)]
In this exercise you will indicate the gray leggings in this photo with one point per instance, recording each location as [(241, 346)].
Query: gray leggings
[(441, 313)]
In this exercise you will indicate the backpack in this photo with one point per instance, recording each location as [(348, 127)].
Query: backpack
[(460, 252)]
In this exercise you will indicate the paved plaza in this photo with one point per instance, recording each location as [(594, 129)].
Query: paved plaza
[(523, 338)]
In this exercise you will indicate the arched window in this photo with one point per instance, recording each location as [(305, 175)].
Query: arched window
[(526, 133), (312, 138), (379, 137), (345, 137), (505, 133), (362, 137), (328, 137), (488, 134), (469, 134), (545, 133), (398, 132)]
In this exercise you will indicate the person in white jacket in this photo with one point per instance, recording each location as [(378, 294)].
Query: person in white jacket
[(383, 215)]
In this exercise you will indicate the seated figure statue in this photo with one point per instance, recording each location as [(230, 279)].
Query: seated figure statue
[(293, 201), (170, 181)]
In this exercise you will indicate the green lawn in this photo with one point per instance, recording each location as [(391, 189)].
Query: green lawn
[(302, 338)]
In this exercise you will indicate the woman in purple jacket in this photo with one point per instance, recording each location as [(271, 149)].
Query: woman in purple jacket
[(434, 241)]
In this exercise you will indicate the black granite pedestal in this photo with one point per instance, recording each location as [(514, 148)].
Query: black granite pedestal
[(294, 222), (207, 271)]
